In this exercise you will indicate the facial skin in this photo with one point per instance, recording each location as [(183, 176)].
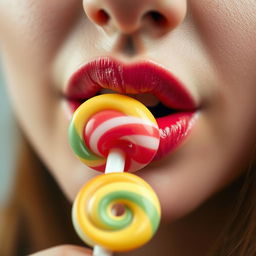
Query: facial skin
[(209, 45)]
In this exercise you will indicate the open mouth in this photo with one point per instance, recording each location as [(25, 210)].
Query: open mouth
[(156, 107), (162, 93)]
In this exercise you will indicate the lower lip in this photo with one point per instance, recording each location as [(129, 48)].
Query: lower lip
[(174, 129)]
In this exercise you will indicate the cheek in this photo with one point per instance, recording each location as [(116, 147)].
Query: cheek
[(228, 32), (36, 28), (31, 33)]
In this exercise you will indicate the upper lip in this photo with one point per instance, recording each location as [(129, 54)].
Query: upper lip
[(140, 77)]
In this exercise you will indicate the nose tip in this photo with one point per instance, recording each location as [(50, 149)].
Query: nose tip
[(130, 16)]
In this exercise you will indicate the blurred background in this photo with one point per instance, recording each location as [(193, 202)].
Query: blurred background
[(8, 140)]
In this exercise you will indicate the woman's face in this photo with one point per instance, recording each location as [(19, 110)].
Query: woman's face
[(209, 45)]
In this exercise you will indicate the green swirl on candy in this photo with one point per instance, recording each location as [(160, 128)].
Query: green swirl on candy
[(143, 202)]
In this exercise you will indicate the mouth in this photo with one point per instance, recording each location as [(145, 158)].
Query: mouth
[(164, 95)]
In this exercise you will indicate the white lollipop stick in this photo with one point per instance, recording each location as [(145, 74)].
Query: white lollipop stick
[(99, 251), (115, 163)]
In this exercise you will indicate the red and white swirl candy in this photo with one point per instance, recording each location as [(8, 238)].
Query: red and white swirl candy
[(112, 121)]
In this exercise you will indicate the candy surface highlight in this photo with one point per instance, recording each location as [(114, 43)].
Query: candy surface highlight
[(95, 222), (112, 121)]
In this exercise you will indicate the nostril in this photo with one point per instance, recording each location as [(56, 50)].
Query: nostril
[(133, 17), (157, 18), (102, 17)]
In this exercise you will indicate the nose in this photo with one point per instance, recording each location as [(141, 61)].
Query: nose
[(130, 16)]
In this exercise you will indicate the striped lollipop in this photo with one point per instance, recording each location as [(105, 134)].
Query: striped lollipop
[(113, 121)]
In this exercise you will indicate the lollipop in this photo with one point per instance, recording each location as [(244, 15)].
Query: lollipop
[(115, 133), (95, 222), (113, 121)]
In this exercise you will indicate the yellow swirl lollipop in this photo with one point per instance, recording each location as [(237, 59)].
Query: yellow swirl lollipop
[(96, 223)]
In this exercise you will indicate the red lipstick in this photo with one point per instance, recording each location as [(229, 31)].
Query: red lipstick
[(139, 78)]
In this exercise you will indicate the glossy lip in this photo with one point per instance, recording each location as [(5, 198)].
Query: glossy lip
[(138, 78)]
